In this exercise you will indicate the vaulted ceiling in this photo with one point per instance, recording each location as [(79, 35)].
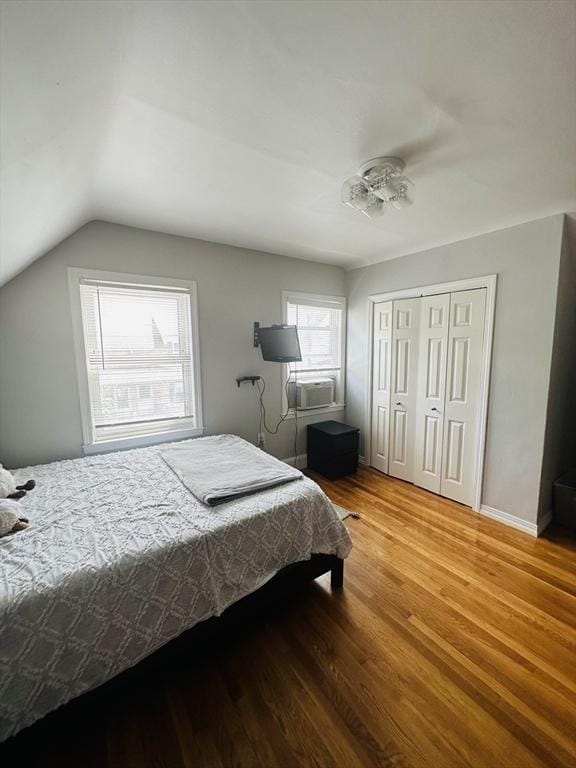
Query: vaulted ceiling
[(238, 121)]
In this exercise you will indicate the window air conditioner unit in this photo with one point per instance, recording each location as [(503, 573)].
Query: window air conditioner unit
[(314, 393)]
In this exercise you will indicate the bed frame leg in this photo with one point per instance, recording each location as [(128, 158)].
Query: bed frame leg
[(337, 575)]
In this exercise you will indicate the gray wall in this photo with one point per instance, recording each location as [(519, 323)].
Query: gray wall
[(39, 406), (531, 414), (560, 437), (526, 259)]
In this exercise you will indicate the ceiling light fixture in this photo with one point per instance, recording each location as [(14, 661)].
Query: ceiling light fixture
[(379, 183)]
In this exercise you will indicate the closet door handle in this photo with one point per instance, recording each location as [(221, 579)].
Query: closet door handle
[(435, 409), (398, 403)]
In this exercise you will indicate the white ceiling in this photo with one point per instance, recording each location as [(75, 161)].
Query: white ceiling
[(238, 121)]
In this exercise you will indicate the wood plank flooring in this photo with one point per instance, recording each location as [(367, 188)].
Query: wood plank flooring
[(453, 643)]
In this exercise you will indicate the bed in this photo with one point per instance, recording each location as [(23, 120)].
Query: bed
[(121, 558)]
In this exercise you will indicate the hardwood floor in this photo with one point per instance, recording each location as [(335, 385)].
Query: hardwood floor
[(453, 643)]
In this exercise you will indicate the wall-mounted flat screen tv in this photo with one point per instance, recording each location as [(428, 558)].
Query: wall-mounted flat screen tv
[(280, 344)]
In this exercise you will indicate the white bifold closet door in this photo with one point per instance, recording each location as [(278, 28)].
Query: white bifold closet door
[(381, 356), (426, 381), (403, 387), (432, 356), (462, 400)]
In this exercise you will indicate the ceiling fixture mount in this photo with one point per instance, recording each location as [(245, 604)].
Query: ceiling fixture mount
[(379, 182)]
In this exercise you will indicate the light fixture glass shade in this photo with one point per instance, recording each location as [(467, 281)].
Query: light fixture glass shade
[(380, 186), (355, 193), (403, 192), (380, 179), (375, 207)]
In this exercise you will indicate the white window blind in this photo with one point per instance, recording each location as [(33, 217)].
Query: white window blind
[(320, 321), (139, 358), (319, 331)]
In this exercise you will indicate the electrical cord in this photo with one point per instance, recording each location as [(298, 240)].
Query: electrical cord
[(295, 417), (283, 418), (274, 431)]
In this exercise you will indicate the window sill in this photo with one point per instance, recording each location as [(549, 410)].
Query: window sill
[(304, 412), (141, 441)]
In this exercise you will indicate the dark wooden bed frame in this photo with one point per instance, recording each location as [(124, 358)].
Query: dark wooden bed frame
[(256, 605), (287, 581), (307, 570)]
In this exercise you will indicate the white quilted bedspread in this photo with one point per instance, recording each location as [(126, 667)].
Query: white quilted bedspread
[(120, 558)]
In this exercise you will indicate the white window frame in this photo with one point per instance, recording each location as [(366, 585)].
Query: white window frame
[(292, 297), (90, 445)]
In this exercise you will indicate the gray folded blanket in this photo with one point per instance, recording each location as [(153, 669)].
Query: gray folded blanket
[(225, 467)]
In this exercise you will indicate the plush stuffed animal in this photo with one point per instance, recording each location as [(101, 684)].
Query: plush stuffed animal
[(8, 487), (10, 519)]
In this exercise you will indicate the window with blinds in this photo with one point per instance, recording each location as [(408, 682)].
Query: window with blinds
[(138, 345), (320, 323)]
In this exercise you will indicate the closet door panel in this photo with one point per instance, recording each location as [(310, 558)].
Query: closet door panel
[(434, 319), (454, 450), (404, 382), (400, 437), (462, 406), (381, 367)]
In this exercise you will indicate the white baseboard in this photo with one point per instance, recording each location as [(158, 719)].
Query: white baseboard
[(363, 461), (534, 529), (301, 461)]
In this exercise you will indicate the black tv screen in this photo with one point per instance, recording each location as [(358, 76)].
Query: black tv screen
[(280, 344)]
